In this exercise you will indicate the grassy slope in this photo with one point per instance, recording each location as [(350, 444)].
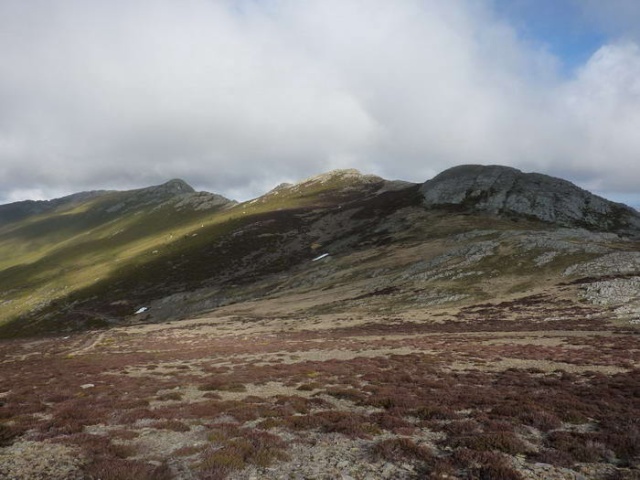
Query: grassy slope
[(51, 262), (46, 257)]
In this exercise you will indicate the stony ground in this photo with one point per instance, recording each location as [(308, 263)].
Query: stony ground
[(541, 386)]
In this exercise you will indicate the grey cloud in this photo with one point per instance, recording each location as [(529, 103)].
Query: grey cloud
[(236, 97)]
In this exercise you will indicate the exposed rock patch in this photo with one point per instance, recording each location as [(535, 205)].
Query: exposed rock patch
[(619, 263), (507, 191), (40, 461)]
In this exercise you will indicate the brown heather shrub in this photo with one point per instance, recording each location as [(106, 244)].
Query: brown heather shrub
[(22, 423), (124, 434), (295, 403), (217, 464), (118, 469), (188, 451), (244, 412), (101, 452), (552, 457), (131, 403), (57, 397), (540, 419), (270, 423), (434, 412), (461, 427), (569, 408), (223, 431), (132, 416), (620, 474), (206, 409), (213, 395), (169, 396), (222, 386), (495, 472), (400, 449), (580, 446), (174, 425), (8, 434), (505, 442), (350, 394), (11, 409), (61, 425), (251, 447), (625, 445), (388, 421), (484, 465), (391, 400), (308, 387), (331, 421), (439, 469)]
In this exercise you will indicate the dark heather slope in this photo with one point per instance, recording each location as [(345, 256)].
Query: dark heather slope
[(507, 191)]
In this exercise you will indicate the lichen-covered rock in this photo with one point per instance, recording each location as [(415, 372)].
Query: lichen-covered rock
[(41, 461), (502, 190)]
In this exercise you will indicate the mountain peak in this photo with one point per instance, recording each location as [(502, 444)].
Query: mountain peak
[(159, 193), (500, 190), (174, 186), (346, 174)]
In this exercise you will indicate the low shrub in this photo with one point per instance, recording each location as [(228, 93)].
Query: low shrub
[(434, 412), (174, 425), (118, 469), (505, 442), (8, 434), (484, 465), (400, 449), (332, 421), (581, 447), (169, 396), (249, 447)]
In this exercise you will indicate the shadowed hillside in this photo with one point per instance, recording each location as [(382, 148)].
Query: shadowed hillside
[(470, 233)]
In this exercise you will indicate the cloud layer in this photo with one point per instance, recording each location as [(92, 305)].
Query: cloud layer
[(236, 96)]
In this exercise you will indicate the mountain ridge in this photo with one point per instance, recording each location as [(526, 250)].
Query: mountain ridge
[(493, 189), (181, 252)]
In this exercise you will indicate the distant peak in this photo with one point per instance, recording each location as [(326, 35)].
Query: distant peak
[(502, 190), (160, 193), (476, 169), (176, 186), (342, 174)]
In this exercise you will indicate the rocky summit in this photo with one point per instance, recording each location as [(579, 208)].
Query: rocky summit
[(482, 325), (508, 191)]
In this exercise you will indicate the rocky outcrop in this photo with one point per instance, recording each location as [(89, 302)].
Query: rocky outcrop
[(177, 193), (502, 190)]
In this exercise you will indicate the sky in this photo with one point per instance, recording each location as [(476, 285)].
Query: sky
[(237, 96)]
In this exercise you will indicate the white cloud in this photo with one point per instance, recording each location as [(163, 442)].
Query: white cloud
[(602, 111), (237, 96)]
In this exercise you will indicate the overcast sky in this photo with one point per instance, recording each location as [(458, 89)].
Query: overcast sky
[(236, 96)]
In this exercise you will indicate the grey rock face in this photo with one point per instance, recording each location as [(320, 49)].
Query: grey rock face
[(502, 190)]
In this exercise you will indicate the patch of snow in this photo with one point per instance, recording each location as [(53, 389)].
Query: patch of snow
[(324, 255), (141, 310)]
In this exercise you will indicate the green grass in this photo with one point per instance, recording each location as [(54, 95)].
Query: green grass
[(85, 252)]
